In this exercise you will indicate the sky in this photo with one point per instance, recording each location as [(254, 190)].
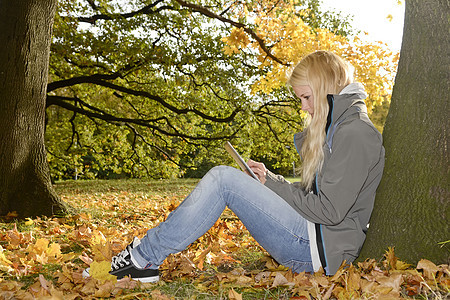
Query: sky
[(371, 16)]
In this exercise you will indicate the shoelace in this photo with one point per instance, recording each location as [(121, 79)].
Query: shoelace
[(119, 260)]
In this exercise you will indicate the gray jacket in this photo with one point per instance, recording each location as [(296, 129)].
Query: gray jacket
[(344, 191)]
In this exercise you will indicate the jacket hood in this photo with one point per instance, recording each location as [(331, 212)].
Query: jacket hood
[(354, 88), (349, 101)]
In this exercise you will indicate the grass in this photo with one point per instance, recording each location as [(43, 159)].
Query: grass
[(178, 186)]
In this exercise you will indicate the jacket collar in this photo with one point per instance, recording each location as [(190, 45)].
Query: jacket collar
[(349, 101)]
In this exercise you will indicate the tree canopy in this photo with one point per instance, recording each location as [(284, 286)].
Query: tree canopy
[(154, 88)]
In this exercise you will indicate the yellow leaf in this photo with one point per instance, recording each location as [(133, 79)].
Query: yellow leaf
[(101, 248), (389, 17), (54, 250), (100, 271), (4, 262), (3, 257), (401, 265), (29, 222), (41, 245), (102, 251)]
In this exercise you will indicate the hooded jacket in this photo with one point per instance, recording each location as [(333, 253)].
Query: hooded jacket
[(339, 207)]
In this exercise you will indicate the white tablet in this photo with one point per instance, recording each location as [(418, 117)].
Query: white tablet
[(239, 160)]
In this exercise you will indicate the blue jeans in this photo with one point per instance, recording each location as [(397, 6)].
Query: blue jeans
[(272, 222)]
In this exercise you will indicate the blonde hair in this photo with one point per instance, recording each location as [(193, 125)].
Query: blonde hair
[(325, 73)]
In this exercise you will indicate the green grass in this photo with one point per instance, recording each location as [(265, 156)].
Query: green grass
[(129, 185), (184, 185)]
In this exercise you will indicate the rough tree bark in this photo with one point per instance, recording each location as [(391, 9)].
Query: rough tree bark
[(25, 38), (411, 208)]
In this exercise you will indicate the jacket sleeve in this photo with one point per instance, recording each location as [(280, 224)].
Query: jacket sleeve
[(356, 148)]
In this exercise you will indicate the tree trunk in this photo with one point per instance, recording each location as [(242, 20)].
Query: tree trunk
[(411, 208), (25, 38)]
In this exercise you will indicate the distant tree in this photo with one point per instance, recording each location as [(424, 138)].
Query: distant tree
[(25, 39), (412, 205)]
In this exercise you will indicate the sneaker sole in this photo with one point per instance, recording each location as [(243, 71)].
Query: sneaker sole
[(152, 279), (148, 279)]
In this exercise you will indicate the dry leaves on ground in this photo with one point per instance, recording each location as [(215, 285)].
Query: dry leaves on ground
[(44, 259)]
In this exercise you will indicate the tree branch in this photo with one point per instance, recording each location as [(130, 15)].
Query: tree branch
[(208, 13), (159, 149), (99, 114), (148, 9), (99, 79)]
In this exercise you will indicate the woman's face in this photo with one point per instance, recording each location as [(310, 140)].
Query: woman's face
[(305, 94)]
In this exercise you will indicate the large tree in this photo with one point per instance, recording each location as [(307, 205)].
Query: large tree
[(153, 88), (25, 40), (412, 205)]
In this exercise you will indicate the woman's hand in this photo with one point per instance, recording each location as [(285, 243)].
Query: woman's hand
[(259, 169)]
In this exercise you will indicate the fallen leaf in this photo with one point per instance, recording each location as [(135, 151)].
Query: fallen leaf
[(392, 282), (126, 283), (100, 271), (5, 263), (329, 292), (279, 280), (44, 283), (429, 268), (158, 295), (391, 259), (263, 277), (104, 290), (89, 287), (29, 222), (233, 295)]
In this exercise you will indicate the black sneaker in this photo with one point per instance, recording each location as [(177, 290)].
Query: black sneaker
[(122, 265)]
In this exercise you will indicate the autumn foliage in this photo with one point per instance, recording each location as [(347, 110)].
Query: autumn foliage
[(154, 88), (44, 258), (281, 25)]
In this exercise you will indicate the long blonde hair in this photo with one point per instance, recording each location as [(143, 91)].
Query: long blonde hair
[(325, 73)]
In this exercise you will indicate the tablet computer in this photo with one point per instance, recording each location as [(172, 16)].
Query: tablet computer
[(239, 160)]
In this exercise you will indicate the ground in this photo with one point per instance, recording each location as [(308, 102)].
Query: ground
[(44, 257)]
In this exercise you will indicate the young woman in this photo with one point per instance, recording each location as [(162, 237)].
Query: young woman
[(318, 222)]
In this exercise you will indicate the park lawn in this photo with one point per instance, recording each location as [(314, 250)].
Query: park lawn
[(44, 257)]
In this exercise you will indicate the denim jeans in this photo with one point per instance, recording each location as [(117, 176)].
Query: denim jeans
[(272, 222)]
